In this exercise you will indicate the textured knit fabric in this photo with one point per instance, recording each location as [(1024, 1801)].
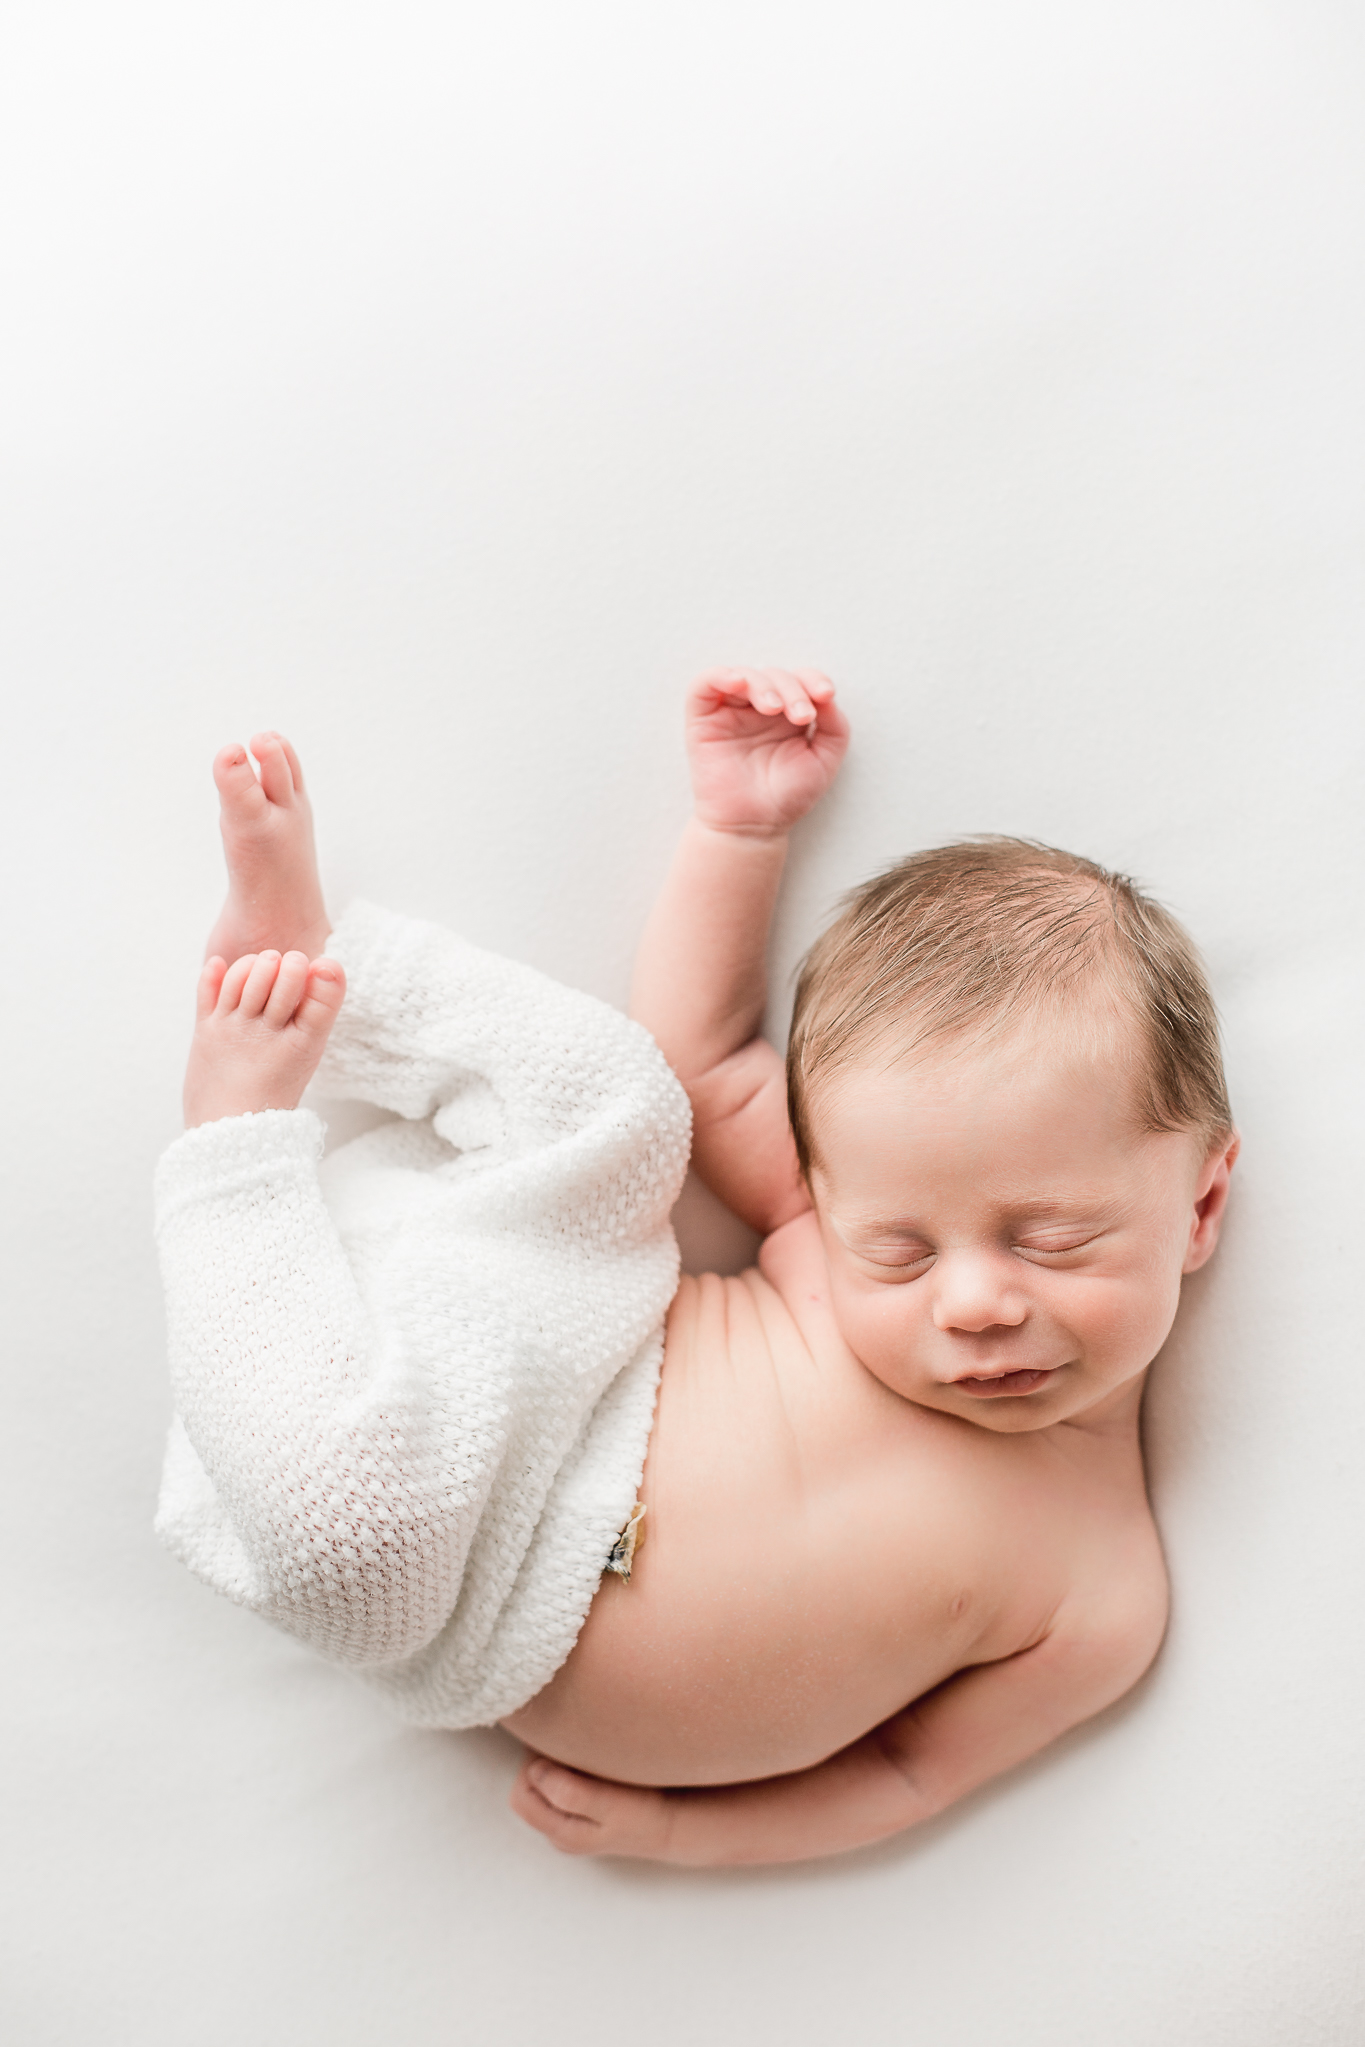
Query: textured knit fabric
[(414, 1382)]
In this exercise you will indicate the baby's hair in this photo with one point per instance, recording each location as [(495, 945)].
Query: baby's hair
[(961, 940)]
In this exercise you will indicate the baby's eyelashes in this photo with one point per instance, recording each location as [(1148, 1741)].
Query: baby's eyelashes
[(1054, 1248), (901, 1256), (896, 1257)]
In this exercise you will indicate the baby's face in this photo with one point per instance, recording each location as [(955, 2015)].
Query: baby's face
[(1004, 1243)]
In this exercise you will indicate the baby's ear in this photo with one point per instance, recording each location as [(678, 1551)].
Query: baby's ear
[(1210, 1201)]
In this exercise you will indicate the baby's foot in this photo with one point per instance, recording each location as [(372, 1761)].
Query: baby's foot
[(262, 1027), (274, 895)]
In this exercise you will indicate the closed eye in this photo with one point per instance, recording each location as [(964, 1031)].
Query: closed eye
[(1059, 1250), (897, 1257)]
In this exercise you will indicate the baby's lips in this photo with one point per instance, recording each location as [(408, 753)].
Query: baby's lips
[(1024, 1379)]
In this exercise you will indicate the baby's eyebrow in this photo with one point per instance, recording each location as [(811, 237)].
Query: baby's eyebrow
[(1088, 1209), (882, 1225)]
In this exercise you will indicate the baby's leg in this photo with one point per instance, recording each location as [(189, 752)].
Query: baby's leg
[(262, 1027), (274, 899)]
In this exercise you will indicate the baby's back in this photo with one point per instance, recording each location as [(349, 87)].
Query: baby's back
[(820, 1551)]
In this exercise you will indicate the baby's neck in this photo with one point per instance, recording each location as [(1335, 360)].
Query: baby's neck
[(1115, 1415)]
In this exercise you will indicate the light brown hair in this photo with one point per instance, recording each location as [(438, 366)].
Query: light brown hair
[(964, 939)]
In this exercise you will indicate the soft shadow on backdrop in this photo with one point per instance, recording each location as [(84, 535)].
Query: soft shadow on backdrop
[(446, 385)]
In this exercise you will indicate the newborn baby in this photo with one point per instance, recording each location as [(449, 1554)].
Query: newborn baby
[(897, 1534)]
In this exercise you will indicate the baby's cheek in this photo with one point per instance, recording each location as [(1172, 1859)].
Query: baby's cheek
[(880, 1329), (1129, 1323)]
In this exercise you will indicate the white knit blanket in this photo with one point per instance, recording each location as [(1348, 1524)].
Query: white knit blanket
[(414, 1382)]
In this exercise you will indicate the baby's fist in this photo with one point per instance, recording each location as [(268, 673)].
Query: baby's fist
[(764, 745)]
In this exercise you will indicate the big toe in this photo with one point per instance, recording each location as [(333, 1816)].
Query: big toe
[(238, 789), (322, 997)]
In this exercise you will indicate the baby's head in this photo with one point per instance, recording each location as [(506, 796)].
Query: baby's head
[(1008, 1101)]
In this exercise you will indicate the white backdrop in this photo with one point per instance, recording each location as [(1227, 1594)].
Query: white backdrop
[(445, 385)]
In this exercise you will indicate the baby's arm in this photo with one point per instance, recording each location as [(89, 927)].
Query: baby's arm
[(977, 1725), (764, 746)]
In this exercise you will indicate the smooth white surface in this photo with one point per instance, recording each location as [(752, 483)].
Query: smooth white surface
[(445, 386)]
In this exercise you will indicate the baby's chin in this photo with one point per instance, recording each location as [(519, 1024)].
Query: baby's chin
[(1014, 1403), (1006, 1414)]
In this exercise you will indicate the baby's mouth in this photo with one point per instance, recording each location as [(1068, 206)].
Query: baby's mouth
[(1004, 1383)]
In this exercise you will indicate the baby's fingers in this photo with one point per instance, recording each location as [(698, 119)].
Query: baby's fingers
[(720, 686), (829, 728), (816, 685), (781, 689), (586, 1815), (816, 709), (795, 694), (547, 1798)]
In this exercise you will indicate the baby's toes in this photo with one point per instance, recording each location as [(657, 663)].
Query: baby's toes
[(295, 770), (273, 756), (324, 992), (242, 797), (232, 984), (290, 982), (211, 977), (256, 989)]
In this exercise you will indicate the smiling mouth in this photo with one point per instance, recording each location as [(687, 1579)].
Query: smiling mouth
[(1004, 1383)]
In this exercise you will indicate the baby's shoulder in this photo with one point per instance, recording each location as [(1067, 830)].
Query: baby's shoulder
[(792, 1248), (792, 1260), (1112, 1618)]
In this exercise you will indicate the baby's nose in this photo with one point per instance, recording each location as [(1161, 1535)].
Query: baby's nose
[(974, 1292)]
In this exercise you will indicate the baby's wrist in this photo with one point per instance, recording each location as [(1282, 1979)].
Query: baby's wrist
[(740, 828)]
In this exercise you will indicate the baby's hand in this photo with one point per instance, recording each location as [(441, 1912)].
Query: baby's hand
[(764, 745), (588, 1816)]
